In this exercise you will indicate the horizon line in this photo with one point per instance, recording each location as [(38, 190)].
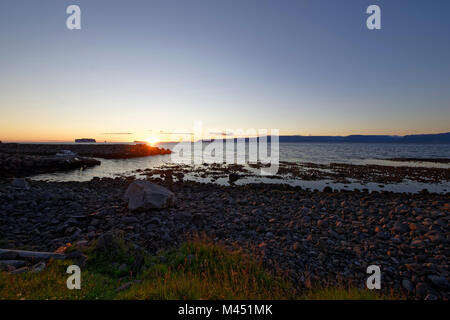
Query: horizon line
[(228, 138)]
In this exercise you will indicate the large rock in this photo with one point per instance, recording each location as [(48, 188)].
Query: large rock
[(400, 227), (144, 195), (20, 183)]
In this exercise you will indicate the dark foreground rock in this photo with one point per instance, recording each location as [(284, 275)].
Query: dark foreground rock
[(317, 237), (105, 151), (26, 261), (20, 165)]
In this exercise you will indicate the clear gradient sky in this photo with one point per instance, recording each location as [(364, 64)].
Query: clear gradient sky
[(302, 66)]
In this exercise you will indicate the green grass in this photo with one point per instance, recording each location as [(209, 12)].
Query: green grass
[(108, 262), (51, 285), (196, 270), (201, 270), (345, 293)]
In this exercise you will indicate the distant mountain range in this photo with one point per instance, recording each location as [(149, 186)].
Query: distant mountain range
[(414, 138)]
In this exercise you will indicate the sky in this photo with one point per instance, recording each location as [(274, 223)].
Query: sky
[(140, 69)]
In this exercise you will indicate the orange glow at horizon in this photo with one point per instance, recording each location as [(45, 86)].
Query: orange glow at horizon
[(152, 140)]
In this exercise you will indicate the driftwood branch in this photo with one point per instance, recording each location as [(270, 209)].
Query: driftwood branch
[(32, 254)]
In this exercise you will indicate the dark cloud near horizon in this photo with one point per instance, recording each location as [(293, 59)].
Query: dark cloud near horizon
[(167, 132), (221, 133)]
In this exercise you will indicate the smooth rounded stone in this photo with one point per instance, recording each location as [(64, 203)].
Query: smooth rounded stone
[(155, 220), (417, 243), (327, 189), (296, 246), (400, 227), (305, 212), (197, 218), (383, 235), (335, 234), (440, 282), (421, 289), (82, 243), (38, 267), (434, 236), (183, 216), (70, 222), (129, 220), (76, 234), (95, 222), (165, 237), (20, 183), (431, 296), (322, 223), (105, 242), (413, 226), (407, 285), (145, 195)]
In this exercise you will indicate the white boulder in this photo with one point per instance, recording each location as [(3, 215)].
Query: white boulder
[(144, 195)]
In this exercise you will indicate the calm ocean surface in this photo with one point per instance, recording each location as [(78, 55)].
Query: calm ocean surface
[(323, 153)]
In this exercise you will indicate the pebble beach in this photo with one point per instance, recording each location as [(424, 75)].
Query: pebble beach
[(317, 237)]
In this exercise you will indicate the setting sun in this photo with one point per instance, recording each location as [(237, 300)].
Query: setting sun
[(152, 140)]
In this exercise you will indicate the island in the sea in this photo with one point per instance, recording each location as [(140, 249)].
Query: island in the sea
[(85, 140)]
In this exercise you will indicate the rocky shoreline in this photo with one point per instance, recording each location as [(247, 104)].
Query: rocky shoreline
[(317, 237), (23, 160), (19, 165), (335, 172), (105, 151), (432, 160)]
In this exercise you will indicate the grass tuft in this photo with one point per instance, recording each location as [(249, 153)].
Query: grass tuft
[(51, 285), (345, 293), (198, 269), (202, 270)]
